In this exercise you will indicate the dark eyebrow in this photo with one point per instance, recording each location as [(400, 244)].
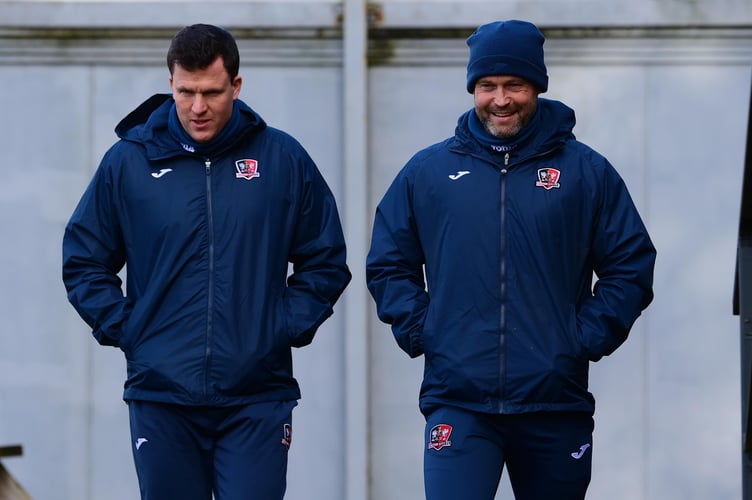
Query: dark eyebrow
[(184, 88)]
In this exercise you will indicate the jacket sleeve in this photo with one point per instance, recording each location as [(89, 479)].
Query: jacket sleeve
[(93, 254), (394, 268), (623, 260), (319, 259)]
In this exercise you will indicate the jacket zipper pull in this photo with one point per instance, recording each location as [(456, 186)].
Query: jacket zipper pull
[(207, 163), (506, 159)]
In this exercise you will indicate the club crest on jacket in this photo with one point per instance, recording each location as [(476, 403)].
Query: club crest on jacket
[(548, 178), (246, 169)]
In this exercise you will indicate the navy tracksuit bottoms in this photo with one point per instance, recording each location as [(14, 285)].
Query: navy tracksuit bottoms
[(548, 455), (190, 453)]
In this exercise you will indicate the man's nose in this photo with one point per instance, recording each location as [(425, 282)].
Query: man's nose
[(199, 104), (501, 98)]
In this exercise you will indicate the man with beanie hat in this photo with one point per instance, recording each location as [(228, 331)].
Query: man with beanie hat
[(482, 259)]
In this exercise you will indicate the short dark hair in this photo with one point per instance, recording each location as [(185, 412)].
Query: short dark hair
[(198, 46)]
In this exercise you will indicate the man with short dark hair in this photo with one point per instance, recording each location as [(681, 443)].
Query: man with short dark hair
[(207, 206)]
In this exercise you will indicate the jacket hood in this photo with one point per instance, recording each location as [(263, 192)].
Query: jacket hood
[(556, 124), (148, 125)]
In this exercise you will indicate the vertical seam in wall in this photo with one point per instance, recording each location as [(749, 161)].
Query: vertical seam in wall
[(355, 215)]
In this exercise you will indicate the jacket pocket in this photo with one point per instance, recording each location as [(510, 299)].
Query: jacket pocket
[(283, 336), (124, 340), (575, 336)]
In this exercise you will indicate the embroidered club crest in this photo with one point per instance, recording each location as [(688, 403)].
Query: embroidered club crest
[(246, 169), (548, 178), (439, 437), (287, 435)]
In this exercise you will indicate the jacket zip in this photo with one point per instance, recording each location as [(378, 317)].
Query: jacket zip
[(210, 284), (502, 273), (502, 284)]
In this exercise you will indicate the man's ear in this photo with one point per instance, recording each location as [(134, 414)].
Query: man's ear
[(237, 83)]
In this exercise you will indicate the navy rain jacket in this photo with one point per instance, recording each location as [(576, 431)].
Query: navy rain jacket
[(210, 314), (506, 314)]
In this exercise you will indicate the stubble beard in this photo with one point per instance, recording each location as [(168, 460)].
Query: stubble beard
[(502, 133)]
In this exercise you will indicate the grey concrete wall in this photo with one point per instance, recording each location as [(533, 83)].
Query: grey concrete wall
[(660, 87), (667, 419)]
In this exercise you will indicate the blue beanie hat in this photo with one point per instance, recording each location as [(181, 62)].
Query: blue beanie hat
[(512, 48)]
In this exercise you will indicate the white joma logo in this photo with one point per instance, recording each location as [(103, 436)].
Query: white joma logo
[(578, 454), (459, 174), (140, 441), (159, 174)]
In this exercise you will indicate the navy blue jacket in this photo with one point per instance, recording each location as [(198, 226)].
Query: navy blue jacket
[(506, 313), (211, 307)]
